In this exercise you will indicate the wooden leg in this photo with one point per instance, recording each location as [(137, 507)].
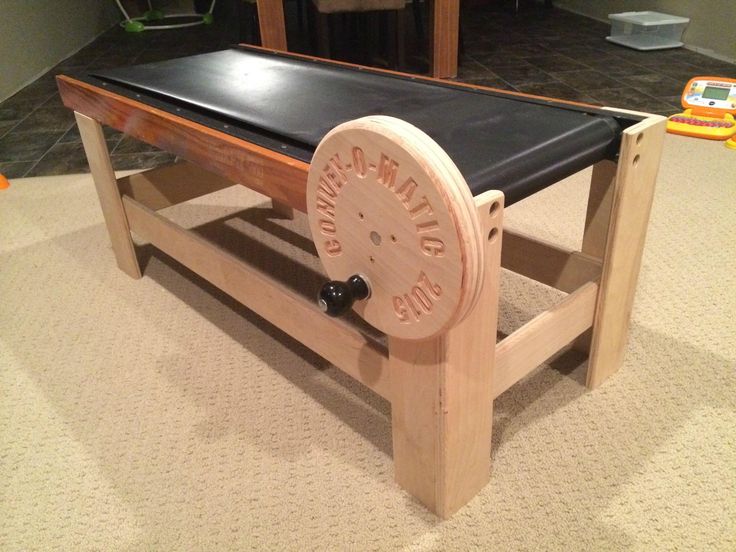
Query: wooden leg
[(631, 201), (109, 194), (442, 395), (597, 220), (598, 214)]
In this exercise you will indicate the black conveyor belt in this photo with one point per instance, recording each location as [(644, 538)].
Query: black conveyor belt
[(498, 141)]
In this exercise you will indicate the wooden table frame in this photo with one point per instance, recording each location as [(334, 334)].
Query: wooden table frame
[(441, 389), (443, 49)]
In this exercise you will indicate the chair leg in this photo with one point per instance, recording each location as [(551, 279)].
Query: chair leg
[(252, 33), (256, 27), (300, 13), (416, 8), (400, 42), (312, 27), (392, 38), (323, 34)]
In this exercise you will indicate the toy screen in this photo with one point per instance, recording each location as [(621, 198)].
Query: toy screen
[(713, 93)]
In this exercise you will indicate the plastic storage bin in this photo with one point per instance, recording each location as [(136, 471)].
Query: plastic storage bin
[(647, 30)]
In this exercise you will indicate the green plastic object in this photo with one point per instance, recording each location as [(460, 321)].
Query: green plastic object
[(153, 15), (134, 26), (207, 18)]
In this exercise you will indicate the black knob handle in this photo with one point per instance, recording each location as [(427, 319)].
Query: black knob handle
[(336, 298)]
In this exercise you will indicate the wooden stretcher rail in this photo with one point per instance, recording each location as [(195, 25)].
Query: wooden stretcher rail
[(543, 336), (170, 185), (547, 263), (331, 338)]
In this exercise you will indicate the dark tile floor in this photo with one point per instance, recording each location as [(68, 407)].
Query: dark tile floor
[(537, 51)]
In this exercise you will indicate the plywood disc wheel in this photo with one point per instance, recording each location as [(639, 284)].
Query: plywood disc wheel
[(386, 202)]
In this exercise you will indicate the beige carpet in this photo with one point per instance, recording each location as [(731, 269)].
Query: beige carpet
[(159, 415)]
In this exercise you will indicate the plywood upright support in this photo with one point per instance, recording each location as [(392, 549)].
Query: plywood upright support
[(631, 200), (107, 189), (598, 213), (442, 393), (597, 221)]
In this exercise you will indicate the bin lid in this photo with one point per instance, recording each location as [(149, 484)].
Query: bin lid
[(648, 18)]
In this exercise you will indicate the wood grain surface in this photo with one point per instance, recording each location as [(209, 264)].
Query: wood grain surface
[(276, 175), (386, 202)]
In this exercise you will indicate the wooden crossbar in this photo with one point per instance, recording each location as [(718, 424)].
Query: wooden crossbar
[(165, 186), (545, 262), (543, 336), (331, 338)]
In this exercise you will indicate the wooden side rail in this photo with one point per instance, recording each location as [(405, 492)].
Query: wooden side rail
[(173, 184), (166, 186), (543, 336), (280, 177), (331, 338), (548, 263)]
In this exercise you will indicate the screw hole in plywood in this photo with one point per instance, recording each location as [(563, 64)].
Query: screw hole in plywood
[(638, 139), (635, 162), (494, 209), (492, 234)]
